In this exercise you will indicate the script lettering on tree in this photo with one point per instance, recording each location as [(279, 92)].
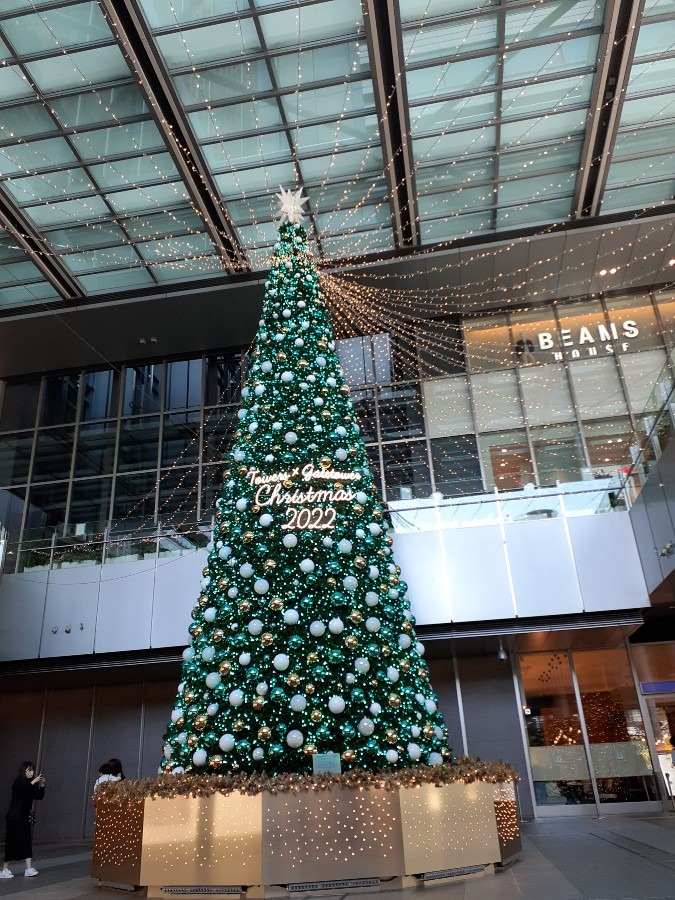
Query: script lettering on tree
[(307, 506)]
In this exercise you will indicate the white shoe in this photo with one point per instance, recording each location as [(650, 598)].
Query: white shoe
[(6, 874), (29, 873)]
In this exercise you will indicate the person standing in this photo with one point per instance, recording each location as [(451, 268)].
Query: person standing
[(27, 788)]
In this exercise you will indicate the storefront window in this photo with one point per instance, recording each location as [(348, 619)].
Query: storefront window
[(183, 384), (641, 372), (447, 407), (440, 348), (608, 442), (665, 300), (558, 452), (496, 401), (546, 395), (597, 388), (19, 405), (655, 667), (456, 466), (635, 323), (554, 735), (506, 460), (406, 468), (488, 344), (616, 732), (535, 337)]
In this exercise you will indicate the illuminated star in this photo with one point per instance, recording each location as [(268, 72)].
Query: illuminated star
[(290, 206)]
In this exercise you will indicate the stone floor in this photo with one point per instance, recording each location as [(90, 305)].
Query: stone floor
[(613, 858)]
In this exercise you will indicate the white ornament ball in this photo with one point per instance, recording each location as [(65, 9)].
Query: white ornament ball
[(341, 431), (245, 659), (336, 705), (345, 546), (327, 542), (176, 714), (212, 709), (414, 751), (233, 593), (246, 570), (205, 582), (298, 703), (373, 624), (366, 727), (392, 756), (375, 709), (373, 572), (295, 738), (178, 770), (362, 665), (241, 504), (336, 626), (262, 689), (289, 541), (188, 654), (226, 743), (253, 427), (167, 751), (421, 649), (266, 520), (261, 586), (287, 377), (224, 552), (281, 662), (350, 678), (372, 599), (199, 757), (255, 626), (266, 367), (404, 641), (340, 454), (350, 583), (307, 566), (239, 455), (291, 617), (316, 629), (210, 614), (321, 361), (430, 706), (208, 653), (415, 732), (212, 680), (291, 437), (435, 759), (361, 497), (374, 529), (392, 674), (236, 697), (258, 754)]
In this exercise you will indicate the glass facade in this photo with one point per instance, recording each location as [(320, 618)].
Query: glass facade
[(503, 402)]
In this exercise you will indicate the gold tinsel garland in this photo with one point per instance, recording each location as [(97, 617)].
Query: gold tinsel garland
[(465, 770)]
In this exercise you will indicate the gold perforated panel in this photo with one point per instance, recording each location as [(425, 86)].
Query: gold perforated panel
[(448, 827), (331, 834), (117, 842), (213, 840)]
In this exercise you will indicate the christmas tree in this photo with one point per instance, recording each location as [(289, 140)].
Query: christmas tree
[(302, 637)]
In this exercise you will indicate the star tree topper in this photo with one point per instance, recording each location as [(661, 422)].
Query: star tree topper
[(290, 206)]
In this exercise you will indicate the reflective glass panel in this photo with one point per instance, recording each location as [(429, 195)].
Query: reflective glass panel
[(53, 454), (139, 440), (218, 434), (616, 733), (134, 497), (401, 414), (46, 507), (90, 501), (183, 384), (406, 470), (95, 451), (507, 464), (15, 453), (19, 404), (178, 496), (456, 465), (59, 401), (558, 452), (142, 386), (180, 438)]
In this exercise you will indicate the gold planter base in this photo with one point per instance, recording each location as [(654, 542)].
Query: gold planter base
[(271, 844)]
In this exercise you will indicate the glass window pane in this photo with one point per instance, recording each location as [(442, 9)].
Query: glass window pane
[(328, 102), (641, 372), (447, 407), (98, 105), (614, 726), (546, 59), (557, 17), (210, 43), (488, 344), (456, 465), (635, 323), (212, 482), (95, 451), (27, 119), (401, 414), (438, 42), (440, 348), (178, 496), (180, 438), (15, 453), (531, 99), (496, 401), (434, 81), (52, 29), (220, 425), (134, 497), (227, 83), (406, 470), (506, 460), (240, 117), (139, 440), (90, 502), (364, 409), (654, 663), (35, 155), (325, 20), (142, 386), (19, 404), (223, 379), (454, 113), (99, 399), (608, 442), (321, 63), (557, 756), (11, 514), (597, 388), (53, 454), (558, 452), (78, 70), (546, 395), (135, 138), (183, 384), (46, 507)]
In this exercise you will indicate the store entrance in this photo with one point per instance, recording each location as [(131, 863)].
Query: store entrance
[(586, 737), (662, 716)]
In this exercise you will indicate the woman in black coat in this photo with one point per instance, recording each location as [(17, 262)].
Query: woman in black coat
[(27, 788)]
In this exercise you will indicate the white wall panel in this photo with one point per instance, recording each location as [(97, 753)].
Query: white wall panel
[(70, 612), (22, 605), (477, 574), (607, 562), (422, 560), (125, 606), (176, 592), (542, 568)]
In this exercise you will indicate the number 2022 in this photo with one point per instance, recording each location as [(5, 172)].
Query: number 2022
[(318, 519)]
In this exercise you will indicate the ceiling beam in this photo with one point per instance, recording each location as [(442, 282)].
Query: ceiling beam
[(615, 56), (385, 50), (155, 83)]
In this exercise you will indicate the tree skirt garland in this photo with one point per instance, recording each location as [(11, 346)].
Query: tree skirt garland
[(466, 770)]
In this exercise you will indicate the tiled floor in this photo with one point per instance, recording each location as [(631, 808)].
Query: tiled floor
[(614, 858)]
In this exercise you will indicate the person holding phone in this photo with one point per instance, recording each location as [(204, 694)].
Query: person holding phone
[(27, 788)]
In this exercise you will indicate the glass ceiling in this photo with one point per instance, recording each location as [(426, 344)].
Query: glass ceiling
[(494, 96)]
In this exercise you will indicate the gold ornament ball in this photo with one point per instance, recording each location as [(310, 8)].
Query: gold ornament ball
[(265, 733), (218, 635), (393, 579), (247, 537), (293, 679), (316, 715), (238, 725), (189, 696), (242, 470), (276, 603), (269, 564), (386, 650), (244, 606), (281, 356), (360, 562), (407, 627), (258, 703), (331, 581), (404, 665), (205, 570), (224, 667), (192, 740), (223, 583), (310, 749), (200, 723), (351, 642), (394, 700), (392, 737), (422, 674), (374, 682), (180, 722), (355, 616), (326, 462), (446, 753), (312, 658), (349, 756), (344, 390), (266, 638), (381, 554), (353, 451), (389, 540), (326, 414), (358, 509), (215, 761), (309, 688), (255, 508), (302, 363), (428, 731)]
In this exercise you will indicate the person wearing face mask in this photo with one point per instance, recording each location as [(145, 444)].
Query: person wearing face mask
[(27, 788)]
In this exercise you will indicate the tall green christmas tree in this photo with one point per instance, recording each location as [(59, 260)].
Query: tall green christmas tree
[(302, 637)]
